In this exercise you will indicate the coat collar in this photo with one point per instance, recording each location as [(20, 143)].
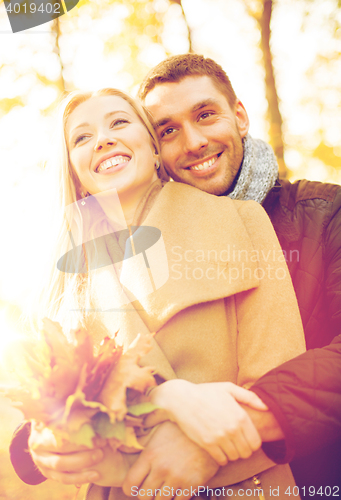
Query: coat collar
[(200, 256)]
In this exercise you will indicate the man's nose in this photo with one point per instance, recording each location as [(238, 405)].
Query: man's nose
[(104, 141), (193, 138)]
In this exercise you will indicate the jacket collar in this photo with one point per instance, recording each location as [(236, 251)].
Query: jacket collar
[(272, 196)]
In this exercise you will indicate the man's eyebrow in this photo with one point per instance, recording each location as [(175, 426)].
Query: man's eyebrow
[(196, 107), (202, 104), (162, 122)]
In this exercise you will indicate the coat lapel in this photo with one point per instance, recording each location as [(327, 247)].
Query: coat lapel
[(203, 253)]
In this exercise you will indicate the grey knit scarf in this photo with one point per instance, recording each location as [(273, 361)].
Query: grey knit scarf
[(258, 173)]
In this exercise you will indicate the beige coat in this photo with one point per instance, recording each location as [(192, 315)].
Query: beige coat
[(230, 315)]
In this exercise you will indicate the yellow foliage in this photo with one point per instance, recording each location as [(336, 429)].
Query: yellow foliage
[(7, 104), (328, 155)]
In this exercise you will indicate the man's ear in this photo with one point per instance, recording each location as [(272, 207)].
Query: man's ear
[(242, 119)]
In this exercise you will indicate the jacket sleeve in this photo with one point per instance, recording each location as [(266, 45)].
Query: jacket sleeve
[(332, 259), (305, 396), (20, 457)]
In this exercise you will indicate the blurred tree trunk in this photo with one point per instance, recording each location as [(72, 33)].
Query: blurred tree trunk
[(263, 17), (179, 2), (56, 32)]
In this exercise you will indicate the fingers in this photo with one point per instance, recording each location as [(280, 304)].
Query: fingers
[(136, 475), (231, 450), (170, 462), (242, 441), (159, 495), (54, 466), (65, 462), (155, 417), (71, 478), (238, 448), (238, 438), (46, 442), (72, 462), (251, 434), (186, 494), (153, 483), (218, 454), (163, 484), (246, 397)]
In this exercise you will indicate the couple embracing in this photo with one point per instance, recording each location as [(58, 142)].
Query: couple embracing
[(214, 337)]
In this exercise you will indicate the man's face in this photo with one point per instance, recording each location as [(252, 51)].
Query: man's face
[(200, 135)]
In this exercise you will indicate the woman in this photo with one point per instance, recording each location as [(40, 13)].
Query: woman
[(214, 319)]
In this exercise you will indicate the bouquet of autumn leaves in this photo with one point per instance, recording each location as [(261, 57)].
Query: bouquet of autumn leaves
[(78, 394)]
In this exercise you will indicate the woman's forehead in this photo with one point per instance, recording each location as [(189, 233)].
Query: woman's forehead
[(96, 108)]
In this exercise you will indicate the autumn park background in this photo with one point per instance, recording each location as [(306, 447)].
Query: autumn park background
[(282, 56)]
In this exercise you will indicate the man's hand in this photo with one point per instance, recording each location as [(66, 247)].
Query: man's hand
[(266, 424), (210, 415), (68, 463), (170, 459)]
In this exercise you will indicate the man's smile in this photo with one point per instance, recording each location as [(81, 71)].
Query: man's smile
[(205, 166)]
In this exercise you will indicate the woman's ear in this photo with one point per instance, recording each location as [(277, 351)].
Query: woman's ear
[(242, 119)]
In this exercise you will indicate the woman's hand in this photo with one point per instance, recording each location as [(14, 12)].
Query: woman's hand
[(210, 415), (73, 464)]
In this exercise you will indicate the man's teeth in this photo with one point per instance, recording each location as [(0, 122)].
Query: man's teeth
[(112, 162), (205, 165)]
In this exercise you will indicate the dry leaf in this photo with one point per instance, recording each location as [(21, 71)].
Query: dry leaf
[(127, 374), (75, 393)]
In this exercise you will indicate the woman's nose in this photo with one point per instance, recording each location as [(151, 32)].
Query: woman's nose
[(103, 141)]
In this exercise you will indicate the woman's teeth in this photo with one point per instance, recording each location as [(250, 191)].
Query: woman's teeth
[(202, 166), (112, 162)]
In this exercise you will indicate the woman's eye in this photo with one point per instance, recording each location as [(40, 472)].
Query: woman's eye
[(79, 139), (118, 122)]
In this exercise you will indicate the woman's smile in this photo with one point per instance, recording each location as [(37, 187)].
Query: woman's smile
[(112, 164)]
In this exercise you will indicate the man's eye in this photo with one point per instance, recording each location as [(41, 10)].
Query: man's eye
[(205, 115), (167, 131)]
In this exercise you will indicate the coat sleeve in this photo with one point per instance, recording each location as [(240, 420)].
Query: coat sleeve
[(21, 458), (269, 328), (269, 325), (305, 396)]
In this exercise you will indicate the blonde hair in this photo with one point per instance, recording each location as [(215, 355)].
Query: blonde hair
[(66, 297)]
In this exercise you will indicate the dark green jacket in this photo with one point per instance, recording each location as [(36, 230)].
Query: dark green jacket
[(305, 393), (307, 219)]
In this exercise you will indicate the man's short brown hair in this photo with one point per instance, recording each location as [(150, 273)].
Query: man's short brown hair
[(176, 68)]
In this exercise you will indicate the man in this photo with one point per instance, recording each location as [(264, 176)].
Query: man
[(203, 131)]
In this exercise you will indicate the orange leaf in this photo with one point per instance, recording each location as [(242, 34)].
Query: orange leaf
[(127, 374)]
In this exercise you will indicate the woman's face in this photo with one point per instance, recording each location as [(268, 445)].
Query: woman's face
[(109, 147)]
